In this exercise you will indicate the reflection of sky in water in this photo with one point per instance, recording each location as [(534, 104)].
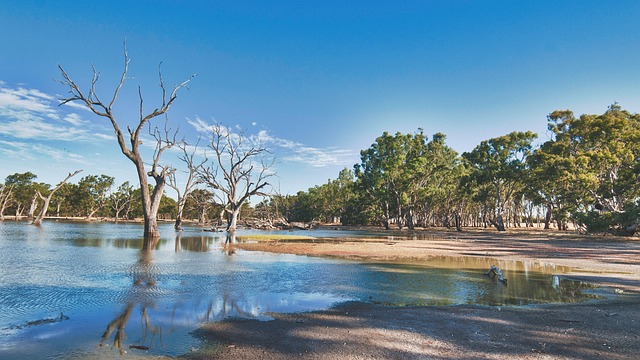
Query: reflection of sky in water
[(96, 275)]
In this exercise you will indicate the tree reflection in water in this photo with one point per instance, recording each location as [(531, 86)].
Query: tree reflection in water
[(192, 243), (144, 279), (230, 243)]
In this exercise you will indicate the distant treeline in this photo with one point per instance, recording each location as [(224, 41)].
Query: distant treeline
[(585, 175)]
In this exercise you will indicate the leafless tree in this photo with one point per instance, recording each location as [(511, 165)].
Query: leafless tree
[(150, 199), (47, 199), (240, 170), (187, 157)]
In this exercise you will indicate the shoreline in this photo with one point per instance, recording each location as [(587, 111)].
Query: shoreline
[(599, 329)]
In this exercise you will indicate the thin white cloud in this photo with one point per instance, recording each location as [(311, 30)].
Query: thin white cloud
[(75, 119), (34, 115), (289, 150), (29, 151)]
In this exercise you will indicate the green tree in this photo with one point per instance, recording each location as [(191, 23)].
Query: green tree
[(93, 193), (198, 205), (498, 166), (589, 169), (386, 172), (440, 176), (24, 192), (121, 199)]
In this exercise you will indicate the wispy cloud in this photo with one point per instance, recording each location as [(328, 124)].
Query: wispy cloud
[(29, 151), (29, 114), (289, 150)]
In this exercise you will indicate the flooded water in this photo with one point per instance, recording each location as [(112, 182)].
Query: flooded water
[(77, 289)]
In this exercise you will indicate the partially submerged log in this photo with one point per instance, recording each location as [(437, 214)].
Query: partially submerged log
[(496, 272)]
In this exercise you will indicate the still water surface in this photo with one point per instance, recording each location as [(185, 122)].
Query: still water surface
[(74, 289)]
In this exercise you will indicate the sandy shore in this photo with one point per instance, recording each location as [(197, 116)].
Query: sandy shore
[(608, 329)]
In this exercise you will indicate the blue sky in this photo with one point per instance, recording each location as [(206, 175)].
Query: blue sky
[(318, 81)]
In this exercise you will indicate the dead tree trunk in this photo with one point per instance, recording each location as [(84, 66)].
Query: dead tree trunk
[(192, 168), (150, 199), (236, 175), (45, 206)]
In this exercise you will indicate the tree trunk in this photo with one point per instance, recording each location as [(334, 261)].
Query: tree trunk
[(458, 221), (233, 220), (499, 222), (32, 208), (400, 218), (18, 211), (38, 220), (178, 222), (410, 223), (151, 233), (150, 205), (547, 218), (201, 216), (181, 202), (91, 213)]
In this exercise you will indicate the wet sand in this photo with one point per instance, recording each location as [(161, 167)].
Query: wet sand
[(606, 329)]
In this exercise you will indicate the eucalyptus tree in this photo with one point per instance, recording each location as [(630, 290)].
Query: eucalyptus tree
[(23, 190), (497, 167), (589, 169), (199, 203), (131, 148), (92, 193), (47, 199), (340, 192), (382, 177), (440, 176), (240, 169), (121, 199), (62, 199), (553, 171)]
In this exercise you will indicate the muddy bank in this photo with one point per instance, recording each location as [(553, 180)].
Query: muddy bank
[(363, 331), (608, 329)]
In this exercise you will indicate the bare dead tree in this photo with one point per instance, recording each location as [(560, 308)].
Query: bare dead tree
[(150, 199), (236, 175), (38, 220), (187, 157)]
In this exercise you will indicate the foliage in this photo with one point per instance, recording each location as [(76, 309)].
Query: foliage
[(498, 168)]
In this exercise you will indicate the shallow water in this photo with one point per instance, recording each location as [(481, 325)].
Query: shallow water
[(67, 288)]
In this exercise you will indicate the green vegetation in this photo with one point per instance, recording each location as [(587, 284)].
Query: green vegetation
[(586, 175)]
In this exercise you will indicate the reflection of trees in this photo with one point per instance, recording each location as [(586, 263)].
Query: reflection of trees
[(230, 243), (192, 243), (118, 324), (229, 308), (143, 277)]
